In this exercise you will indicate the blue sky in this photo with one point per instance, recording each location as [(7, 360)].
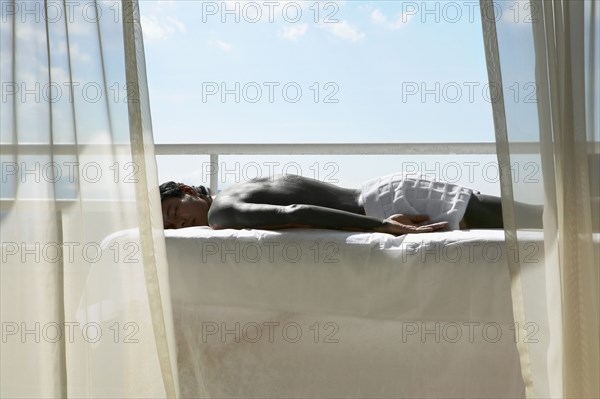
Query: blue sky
[(373, 58)]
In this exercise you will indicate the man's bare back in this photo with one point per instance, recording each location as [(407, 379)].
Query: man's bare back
[(289, 190), (288, 202)]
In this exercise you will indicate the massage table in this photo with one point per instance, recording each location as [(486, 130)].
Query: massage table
[(321, 313)]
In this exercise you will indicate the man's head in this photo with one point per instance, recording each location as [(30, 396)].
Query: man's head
[(184, 206)]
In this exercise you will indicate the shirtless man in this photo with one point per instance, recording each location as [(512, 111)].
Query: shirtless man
[(297, 202)]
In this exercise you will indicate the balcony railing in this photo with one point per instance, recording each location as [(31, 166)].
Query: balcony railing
[(215, 150)]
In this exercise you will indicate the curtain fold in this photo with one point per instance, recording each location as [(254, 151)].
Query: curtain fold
[(555, 45), (85, 308), (504, 164), (150, 216)]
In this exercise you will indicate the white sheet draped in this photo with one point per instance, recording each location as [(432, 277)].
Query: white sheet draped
[(351, 315), (551, 47), (78, 164)]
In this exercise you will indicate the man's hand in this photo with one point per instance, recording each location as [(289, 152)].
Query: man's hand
[(406, 224)]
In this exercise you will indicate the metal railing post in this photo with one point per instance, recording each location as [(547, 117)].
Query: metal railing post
[(214, 175)]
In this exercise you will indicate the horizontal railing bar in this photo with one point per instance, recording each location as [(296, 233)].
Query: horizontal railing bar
[(30, 204), (336, 149), (65, 149), (280, 149), (320, 148)]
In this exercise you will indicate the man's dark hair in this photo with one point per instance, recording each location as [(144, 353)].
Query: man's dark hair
[(172, 189)]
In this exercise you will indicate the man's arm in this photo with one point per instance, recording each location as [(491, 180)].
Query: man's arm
[(271, 217)]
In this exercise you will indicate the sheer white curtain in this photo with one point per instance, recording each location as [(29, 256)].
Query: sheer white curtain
[(80, 318), (543, 59)]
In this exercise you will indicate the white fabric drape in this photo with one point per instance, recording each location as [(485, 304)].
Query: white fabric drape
[(80, 318), (550, 47)]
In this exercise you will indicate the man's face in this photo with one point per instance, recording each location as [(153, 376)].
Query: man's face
[(189, 210)]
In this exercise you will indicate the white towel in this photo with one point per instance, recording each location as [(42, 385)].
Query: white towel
[(415, 195)]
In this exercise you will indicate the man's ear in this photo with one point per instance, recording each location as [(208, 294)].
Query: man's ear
[(188, 190)]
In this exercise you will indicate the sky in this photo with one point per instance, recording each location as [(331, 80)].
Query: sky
[(308, 71), (359, 74)]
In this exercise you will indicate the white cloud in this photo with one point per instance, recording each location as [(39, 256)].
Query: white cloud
[(156, 29), (401, 20), (377, 17), (344, 30), (221, 44), (30, 33), (74, 51), (293, 32)]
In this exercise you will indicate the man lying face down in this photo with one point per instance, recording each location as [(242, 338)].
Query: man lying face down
[(391, 204)]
